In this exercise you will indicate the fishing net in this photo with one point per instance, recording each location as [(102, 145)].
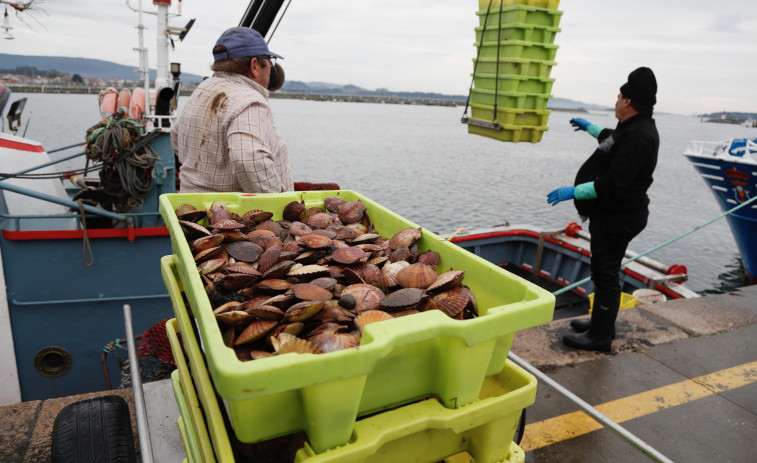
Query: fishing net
[(154, 354)]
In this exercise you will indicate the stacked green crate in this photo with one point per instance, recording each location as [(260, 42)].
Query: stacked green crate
[(516, 52)]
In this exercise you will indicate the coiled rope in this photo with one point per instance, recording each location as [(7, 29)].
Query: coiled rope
[(127, 159)]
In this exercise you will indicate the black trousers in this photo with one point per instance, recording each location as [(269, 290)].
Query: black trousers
[(610, 235)]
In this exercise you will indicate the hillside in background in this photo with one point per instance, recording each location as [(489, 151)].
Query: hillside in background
[(95, 68)]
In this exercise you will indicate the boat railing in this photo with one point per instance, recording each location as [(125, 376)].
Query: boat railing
[(706, 148), (71, 221)]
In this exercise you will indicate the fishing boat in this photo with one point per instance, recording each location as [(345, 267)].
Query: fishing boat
[(562, 259), (729, 168)]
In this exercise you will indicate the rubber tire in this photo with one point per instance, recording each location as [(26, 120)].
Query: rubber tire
[(95, 430), (521, 428)]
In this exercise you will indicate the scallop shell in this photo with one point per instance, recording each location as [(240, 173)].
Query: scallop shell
[(351, 211), (274, 285), (231, 236), (260, 354), (319, 220), (405, 237), (309, 257), (389, 272), (333, 203), (261, 237), (309, 212), (299, 229), (272, 226), (310, 292), (370, 316), (332, 342), (217, 212), (451, 302), (309, 272), (416, 276), (447, 280), (403, 253), (193, 230), (366, 238), (472, 307), (189, 212), (324, 282), (254, 331), (401, 299), (268, 258), (265, 312), (228, 307), (346, 233), (227, 224), (293, 210), (299, 346), (236, 281), (212, 266), (257, 216), (234, 318), (205, 242), (279, 269), (349, 255), (244, 251), (430, 258), (303, 311), (313, 241), (364, 297), (211, 253), (243, 267)]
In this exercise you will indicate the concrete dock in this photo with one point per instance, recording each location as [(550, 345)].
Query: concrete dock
[(682, 377)]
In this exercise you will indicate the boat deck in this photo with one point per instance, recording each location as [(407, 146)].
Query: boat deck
[(682, 377)]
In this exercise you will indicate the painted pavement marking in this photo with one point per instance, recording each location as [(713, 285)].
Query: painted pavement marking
[(560, 428)]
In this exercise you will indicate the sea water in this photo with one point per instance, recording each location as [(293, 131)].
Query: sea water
[(420, 162)]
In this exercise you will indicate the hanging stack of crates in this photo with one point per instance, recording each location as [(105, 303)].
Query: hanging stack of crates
[(515, 55), (418, 388)]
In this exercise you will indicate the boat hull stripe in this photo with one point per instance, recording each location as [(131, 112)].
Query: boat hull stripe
[(15, 145), (79, 234)]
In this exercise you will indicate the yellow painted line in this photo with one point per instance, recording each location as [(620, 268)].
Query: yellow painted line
[(560, 428)]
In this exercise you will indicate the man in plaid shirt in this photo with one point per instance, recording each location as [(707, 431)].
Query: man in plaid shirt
[(225, 137)]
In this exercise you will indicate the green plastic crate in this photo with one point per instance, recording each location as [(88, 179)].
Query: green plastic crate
[(484, 4), (517, 49), (513, 83), (511, 100), (516, 66), (323, 394), (512, 133), (549, 17), (510, 117), (517, 31), (186, 426), (424, 431)]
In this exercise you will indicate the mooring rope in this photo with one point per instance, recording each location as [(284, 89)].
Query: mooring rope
[(660, 246)]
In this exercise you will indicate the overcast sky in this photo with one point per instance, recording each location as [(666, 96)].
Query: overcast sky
[(703, 52)]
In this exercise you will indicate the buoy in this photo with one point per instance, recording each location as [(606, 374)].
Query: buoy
[(124, 97), (108, 102), (137, 108)]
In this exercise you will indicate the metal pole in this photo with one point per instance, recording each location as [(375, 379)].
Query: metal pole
[(64, 202), (591, 411), (145, 445)]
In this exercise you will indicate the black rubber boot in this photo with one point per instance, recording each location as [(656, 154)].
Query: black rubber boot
[(583, 324), (599, 336)]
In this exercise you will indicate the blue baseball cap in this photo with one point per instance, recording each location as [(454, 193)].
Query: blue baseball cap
[(241, 42)]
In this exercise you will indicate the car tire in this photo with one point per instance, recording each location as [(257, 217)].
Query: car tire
[(95, 430)]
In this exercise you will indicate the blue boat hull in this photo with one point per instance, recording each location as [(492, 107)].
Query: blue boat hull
[(733, 184), (63, 312)]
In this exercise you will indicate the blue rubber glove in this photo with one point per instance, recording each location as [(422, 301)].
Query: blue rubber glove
[(580, 124), (561, 194)]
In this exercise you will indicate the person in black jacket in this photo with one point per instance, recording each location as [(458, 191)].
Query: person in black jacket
[(611, 191)]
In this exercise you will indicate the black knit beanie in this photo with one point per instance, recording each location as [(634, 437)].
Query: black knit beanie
[(641, 86)]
